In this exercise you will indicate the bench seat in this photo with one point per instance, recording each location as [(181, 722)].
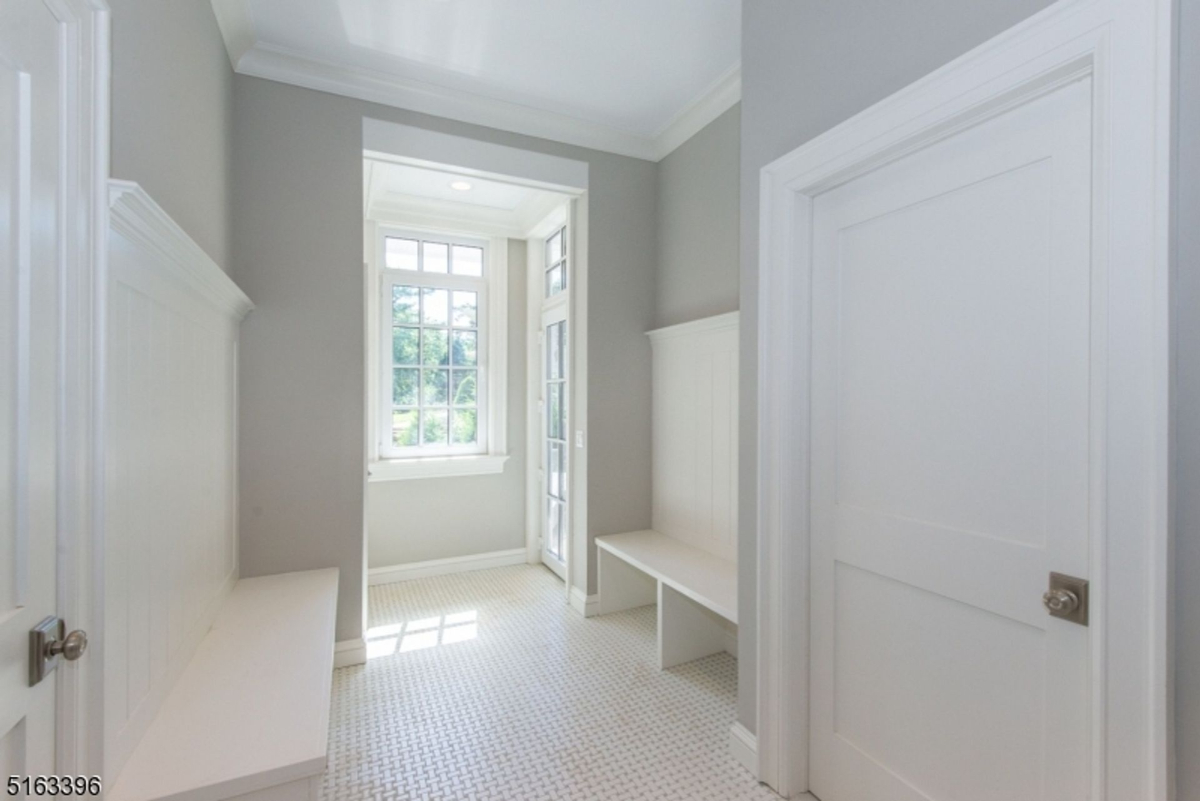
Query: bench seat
[(249, 716), (696, 591)]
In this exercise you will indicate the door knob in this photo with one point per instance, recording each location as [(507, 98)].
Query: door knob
[(1067, 598), (49, 643), (70, 647), (1060, 602)]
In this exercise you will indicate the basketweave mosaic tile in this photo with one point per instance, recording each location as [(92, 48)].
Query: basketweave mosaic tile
[(486, 686)]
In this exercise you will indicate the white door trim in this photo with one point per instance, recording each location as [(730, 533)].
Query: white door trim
[(86, 122), (1127, 47)]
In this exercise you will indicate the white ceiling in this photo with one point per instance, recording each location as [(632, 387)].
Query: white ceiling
[(419, 196), (636, 77)]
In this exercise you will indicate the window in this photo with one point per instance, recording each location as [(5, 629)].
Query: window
[(434, 345), (556, 262)]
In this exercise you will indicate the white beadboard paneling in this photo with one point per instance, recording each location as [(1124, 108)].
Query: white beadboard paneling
[(695, 413), (171, 549)]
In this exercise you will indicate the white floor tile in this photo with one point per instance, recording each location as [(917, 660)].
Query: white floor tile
[(487, 685)]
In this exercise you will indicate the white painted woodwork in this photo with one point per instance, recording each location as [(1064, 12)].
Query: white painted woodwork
[(952, 303), (34, 169), (622, 585), (171, 549), (249, 716), (696, 592), (964, 295), (686, 630), (694, 441), (443, 567), (708, 580)]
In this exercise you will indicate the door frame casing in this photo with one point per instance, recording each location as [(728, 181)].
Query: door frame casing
[(86, 123), (1127, 47)]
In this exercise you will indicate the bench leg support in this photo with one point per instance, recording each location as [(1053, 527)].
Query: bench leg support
[(686, 630), (622, 586)]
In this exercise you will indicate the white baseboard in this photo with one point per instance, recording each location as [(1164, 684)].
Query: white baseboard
[(442, 567), (584, 604), (744, 746), (349, 652)]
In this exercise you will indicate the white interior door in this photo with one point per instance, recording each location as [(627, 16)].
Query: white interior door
[(953, 465), (32, 173), (555, 450)]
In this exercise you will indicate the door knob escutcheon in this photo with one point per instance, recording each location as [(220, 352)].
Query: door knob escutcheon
[(1067, 598)]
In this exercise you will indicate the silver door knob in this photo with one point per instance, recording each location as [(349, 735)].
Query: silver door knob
[(1060, 601), (70, 647)]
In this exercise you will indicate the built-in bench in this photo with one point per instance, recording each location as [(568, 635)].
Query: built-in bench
[(696, 592), (248, 718)]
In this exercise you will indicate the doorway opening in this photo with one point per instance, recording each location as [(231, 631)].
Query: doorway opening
[(472, 287)]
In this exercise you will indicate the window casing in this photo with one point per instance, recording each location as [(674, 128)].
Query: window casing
[(434, 344)]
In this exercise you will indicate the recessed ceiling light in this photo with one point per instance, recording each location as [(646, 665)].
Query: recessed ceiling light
[(461, 186)]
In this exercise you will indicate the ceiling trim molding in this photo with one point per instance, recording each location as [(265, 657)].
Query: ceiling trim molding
[(278, 64), (712, 103), (254, 58), (237, 27)]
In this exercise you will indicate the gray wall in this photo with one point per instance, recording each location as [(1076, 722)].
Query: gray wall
[(806, 66), (1187, 489), (414, 521), (698, 202), (297, 244), (172, 101)]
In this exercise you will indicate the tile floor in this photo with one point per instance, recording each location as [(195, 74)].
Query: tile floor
[(487, 685)]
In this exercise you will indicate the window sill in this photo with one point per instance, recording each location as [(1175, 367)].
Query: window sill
[(435, 467)]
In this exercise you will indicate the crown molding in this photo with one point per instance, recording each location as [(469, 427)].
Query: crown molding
[(237, 27), (135, 216), (712, 103), (254, 58), (278, 64)]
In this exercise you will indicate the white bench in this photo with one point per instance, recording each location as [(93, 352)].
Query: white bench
[(249, 716), (696, 592)]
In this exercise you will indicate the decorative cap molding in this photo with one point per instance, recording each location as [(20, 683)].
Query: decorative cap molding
[(137, 217), (719, 322)]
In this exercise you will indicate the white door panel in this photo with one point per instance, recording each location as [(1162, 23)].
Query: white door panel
[(952, 458), (31, 172)]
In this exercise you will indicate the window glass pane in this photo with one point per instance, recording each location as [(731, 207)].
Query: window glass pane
[(465, 426), (434, 306), (553, 532), (554, 281), (554, 351), (554, 248), (435, 346), (404, 304), (437, 427), (553, 460), (466, 344), (435, 387), (464, 388), (400, 254), (468, 261), (404, 386), (405, 343), (554, 411), (437, 257), (404, 428), (466, 308)]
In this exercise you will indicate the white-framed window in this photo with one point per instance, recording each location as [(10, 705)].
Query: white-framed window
[(556, 262), (435, 344)]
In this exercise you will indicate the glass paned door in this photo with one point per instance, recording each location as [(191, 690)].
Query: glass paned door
[(555, 450)]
